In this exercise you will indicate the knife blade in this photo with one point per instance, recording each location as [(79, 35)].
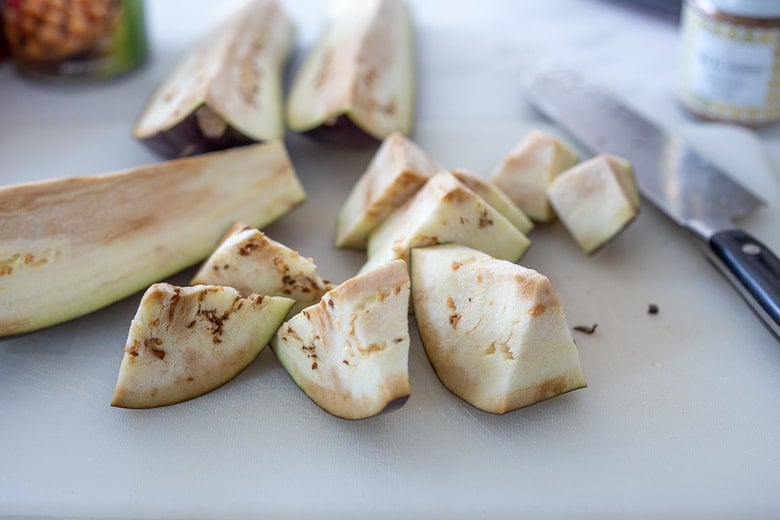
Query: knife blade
[(693, 192)]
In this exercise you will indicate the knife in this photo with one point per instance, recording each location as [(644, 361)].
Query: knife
[(675, 178)]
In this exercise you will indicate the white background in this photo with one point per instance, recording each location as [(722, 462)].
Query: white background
[(680, 417)]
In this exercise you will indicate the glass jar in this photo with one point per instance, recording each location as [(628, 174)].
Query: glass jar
[(730, 60), (77, 39), (3, 44)]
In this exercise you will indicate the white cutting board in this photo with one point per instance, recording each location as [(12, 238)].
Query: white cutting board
[(680, 417)]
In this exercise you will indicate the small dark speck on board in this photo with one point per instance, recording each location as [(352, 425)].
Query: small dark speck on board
[(586, 329)]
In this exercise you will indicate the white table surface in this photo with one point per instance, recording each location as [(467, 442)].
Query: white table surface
[(472, 59)]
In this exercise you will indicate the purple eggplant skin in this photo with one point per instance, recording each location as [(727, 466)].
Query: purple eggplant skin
[(344, 132), (395, 404), (391, 406), (186, 138)]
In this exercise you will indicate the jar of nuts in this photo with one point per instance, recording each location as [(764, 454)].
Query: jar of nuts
[(3, 44), (75, 39)]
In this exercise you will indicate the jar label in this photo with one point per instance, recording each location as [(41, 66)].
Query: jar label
[(730, 71)]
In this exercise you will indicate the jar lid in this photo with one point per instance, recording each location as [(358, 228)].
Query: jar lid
[(749, 8)]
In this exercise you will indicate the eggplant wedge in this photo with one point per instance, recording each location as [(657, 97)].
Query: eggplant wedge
[(494, 332), (70, 246), (357, 85), (227, 91), (350, 351), (186, 341)]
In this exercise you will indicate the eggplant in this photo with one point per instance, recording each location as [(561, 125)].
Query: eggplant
[(69, 246), (350, 351), (186, 341), (227, 91), (494, 332), (357, 85)]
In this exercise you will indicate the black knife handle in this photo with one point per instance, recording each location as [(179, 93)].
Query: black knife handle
[(753, 269)]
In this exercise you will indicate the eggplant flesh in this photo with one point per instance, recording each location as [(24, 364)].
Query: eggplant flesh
[(227, 91), (73, 245), (357, 85)]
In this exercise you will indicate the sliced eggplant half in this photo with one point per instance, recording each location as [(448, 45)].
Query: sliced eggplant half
[(227, 91), (357, 85), (70, 246)]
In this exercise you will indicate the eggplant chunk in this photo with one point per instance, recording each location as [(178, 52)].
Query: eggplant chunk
[(350, 352), (444, 210), (494, 331), (253, 263), (70, 246), (397, 171), (595, 200), (186, 341), (227, 91), (357, 85)]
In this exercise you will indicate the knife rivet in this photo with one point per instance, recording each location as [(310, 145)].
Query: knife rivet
[(751, 249)]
